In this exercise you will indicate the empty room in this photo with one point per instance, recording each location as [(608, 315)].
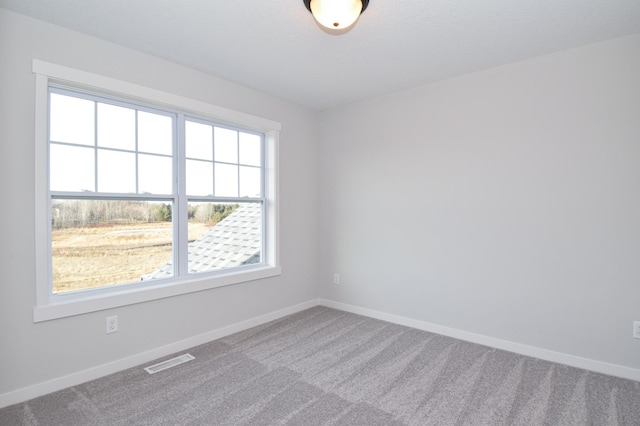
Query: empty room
[(320, 212)]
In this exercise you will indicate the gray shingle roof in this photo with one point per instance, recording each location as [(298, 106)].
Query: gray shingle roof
[(236, 240)]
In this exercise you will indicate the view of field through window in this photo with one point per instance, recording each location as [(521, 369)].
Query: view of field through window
[(97, 243), (124, 187)]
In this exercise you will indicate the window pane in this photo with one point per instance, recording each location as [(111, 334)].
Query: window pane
[(155, 133), (72, 168), (226, 145), (155, 174), (116, 171), (250, 149), (224, 235), (116, 127), (97, 243), (226, 180), (199, 177), (250, 182), (71, 120), (198, 141), (110, 152)]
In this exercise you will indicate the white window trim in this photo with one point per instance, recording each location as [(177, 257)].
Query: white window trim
[(48, 307)]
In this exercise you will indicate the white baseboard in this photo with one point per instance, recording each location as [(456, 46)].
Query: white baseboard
[(80, 377), (532, 351), (84, 376)]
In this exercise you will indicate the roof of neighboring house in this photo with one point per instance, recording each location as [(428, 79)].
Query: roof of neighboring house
[(236, 240)]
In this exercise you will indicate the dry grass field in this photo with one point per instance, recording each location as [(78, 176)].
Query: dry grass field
[(90, 257)]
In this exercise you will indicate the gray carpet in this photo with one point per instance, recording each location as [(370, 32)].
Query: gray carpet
[(327, 367)]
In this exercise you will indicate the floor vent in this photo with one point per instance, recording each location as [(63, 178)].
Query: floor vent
[(169, 363)]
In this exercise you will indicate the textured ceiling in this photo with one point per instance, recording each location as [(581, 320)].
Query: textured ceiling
[(276, 47)]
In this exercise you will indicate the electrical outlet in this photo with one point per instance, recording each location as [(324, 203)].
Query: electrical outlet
[(336, 278), (112, 324), (636, 329)]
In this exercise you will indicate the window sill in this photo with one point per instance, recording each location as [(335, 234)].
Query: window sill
[(92, 301)]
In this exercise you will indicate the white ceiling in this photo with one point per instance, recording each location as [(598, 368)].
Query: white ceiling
[(276, 47)]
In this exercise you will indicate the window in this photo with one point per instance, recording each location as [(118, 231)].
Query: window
[(144, 198)]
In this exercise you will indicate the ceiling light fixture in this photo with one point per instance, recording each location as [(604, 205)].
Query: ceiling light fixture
[(336, 14)]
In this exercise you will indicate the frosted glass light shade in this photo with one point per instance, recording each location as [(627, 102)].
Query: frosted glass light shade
[(336, 14)]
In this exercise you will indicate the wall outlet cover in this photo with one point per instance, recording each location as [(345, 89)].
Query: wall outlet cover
[(112, 324)]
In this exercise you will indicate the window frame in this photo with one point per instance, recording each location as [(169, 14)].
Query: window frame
[(50, 306)]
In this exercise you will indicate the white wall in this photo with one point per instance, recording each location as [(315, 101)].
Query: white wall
[(34, 353), (504, 203)]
